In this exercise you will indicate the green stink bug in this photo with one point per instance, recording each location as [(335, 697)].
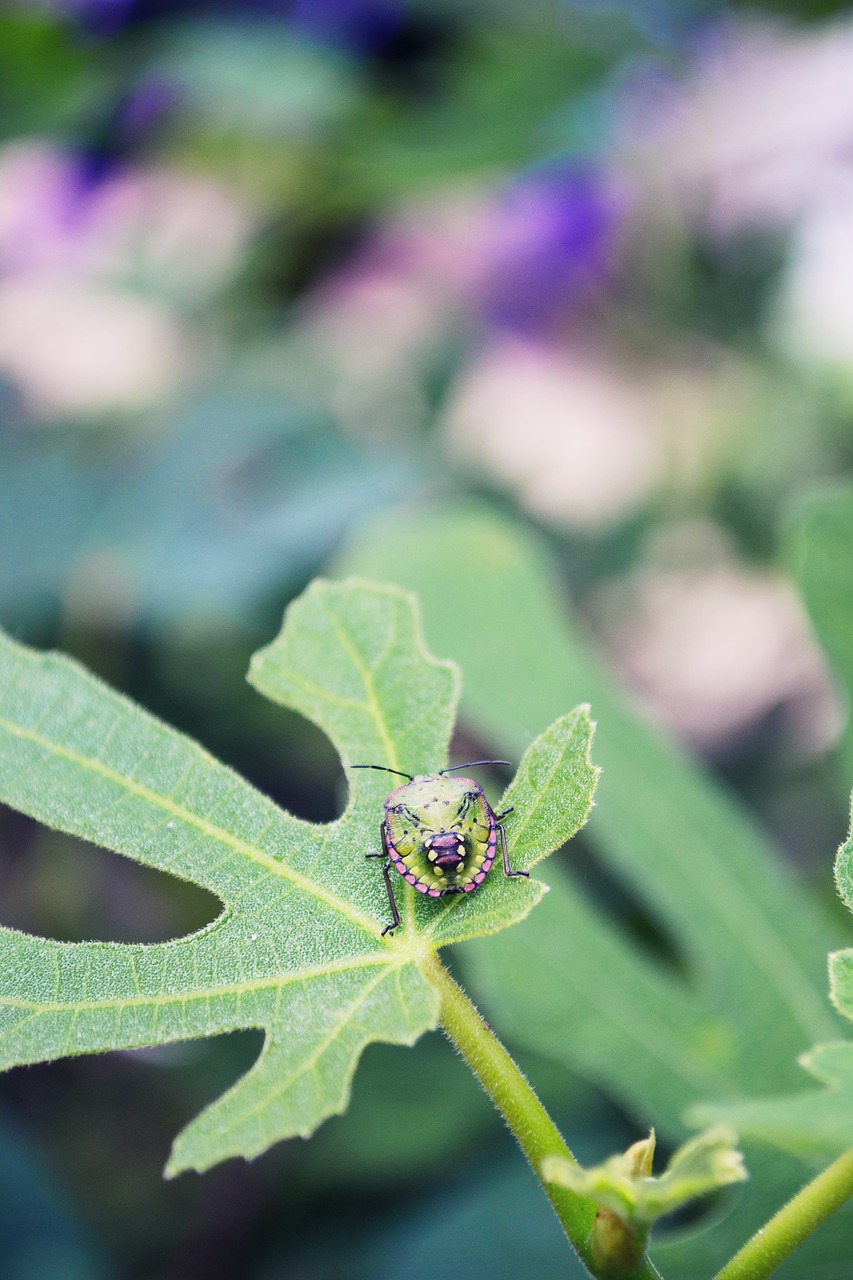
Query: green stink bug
[(440, 833)]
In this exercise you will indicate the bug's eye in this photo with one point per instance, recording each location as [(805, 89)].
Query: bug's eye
[(405, 811), (465, 803)]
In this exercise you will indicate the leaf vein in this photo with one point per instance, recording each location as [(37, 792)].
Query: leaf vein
[(369, 687)]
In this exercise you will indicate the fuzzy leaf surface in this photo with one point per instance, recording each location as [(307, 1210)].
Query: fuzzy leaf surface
[(297, 950)]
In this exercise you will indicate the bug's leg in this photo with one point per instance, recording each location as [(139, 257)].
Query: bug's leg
[(383, 852), (500, 816), (508, 871), (389, 928)]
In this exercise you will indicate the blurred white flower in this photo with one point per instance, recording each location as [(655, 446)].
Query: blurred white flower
[(574, 436), (812, 315), (712, 646), (761, 121), (586, 434), (77, 348), (185, 233)]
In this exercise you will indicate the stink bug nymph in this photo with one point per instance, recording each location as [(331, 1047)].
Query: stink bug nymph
[(440, 833)]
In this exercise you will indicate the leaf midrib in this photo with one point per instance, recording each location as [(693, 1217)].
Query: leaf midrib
[(366, 674), (373, 706), (380, 958)]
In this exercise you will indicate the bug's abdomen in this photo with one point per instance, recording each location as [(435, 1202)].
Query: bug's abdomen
[(438, 864)]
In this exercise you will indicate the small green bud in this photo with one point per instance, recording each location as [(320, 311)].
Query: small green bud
[(630, 1200), (616, 1244), (638, 1158)]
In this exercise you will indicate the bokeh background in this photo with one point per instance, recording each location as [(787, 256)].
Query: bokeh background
[(271, 269)]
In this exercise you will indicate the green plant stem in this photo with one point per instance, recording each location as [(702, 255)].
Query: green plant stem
[(788, 1228), (529, 1122)]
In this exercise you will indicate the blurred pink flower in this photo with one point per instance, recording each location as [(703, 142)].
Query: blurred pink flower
[(711, 646), (751, 134), (177, 231), (42, 209), (366, 330), (94, 277), (516, 258), (396, 293)]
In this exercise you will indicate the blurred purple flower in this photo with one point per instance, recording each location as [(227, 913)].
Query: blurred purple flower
[(132, 122), (755, 130), (102, 17), (549, 246), (43, 207), (361, 25), (143, 108)]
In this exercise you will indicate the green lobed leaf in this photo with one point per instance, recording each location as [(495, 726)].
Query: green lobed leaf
[(297, 950), (753, 946), (747, 996)]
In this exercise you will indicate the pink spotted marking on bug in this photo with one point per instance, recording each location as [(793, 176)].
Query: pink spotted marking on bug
[(440, 834)]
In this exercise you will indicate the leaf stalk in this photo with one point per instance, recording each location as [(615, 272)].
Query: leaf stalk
[(796, 1220), (526, 1118)]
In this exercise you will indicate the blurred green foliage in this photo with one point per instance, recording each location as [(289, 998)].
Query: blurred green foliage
[(401, 151)]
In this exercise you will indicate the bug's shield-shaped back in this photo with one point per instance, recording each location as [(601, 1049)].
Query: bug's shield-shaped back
[(440, 834)]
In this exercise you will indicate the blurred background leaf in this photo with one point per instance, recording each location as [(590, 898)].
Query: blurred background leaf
[(820, 546), (39, 1236)]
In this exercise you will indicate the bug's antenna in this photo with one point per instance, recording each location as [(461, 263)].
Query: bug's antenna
[(384, 769), (471, 764)]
